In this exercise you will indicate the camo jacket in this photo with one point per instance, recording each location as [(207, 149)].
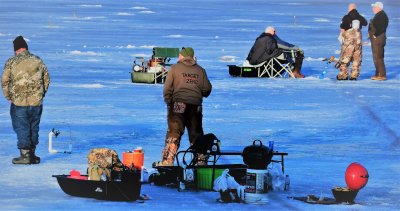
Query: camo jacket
[(25, 80)]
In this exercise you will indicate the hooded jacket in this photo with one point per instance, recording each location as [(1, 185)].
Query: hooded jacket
[(186, 82), (264, 48), (352, 15)]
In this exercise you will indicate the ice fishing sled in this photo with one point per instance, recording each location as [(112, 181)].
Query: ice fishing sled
[(108, 178), (271, 68), (125, 188), (155, 69)]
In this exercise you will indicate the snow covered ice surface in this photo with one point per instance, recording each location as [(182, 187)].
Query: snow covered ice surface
[(324, 125)]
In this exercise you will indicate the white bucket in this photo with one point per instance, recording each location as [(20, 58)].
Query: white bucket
[(256, 186)]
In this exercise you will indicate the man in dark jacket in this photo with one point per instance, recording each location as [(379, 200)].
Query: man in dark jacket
[(350, 31), (268, 46), (377, 35), (352, 15), (185, 86), (265, 47)]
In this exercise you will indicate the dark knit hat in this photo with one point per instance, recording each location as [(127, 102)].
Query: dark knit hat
[(187, 52), (19, 42)]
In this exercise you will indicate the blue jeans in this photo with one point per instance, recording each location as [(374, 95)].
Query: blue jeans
[(25, 122)]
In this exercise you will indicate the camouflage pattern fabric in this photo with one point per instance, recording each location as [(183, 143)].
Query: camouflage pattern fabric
[(169, 151), (25, 80), (95, 172), (351, 52), (104, 158)]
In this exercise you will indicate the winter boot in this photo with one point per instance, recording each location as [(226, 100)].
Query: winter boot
[(25, 157), (34, 159)]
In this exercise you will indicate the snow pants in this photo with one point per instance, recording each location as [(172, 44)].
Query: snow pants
[(25, 121), (351, 53), (181, 115)]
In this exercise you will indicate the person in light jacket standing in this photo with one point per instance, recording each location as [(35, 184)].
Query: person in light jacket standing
[(25, 81)]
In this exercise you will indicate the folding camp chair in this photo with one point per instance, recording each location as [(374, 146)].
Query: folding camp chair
[(281, 66)]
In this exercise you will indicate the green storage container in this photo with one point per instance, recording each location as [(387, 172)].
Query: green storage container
[(204, 174)]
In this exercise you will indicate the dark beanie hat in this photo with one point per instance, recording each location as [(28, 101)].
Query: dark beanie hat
[(19, 42), (187, 52)]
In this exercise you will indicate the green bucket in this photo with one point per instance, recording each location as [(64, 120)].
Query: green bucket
[(204, 174), (204, 177)]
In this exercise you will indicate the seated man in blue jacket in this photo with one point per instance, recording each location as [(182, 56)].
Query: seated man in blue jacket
[(268, 45)]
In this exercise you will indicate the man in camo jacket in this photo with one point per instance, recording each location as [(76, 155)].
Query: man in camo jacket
[(25, 81)]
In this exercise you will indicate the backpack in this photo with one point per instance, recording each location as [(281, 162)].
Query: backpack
[(102, 162), (205, 143)]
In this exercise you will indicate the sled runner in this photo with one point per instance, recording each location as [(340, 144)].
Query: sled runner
[(155, 69), (127, 188), (312, 199)]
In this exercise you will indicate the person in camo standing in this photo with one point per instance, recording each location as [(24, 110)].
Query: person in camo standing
[(377, 35), (350, 30), (25, 81), (185, 86)]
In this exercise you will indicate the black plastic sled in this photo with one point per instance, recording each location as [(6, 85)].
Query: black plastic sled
[(128, 189)]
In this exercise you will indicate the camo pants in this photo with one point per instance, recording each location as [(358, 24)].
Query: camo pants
[(181, 115), (351, 53)]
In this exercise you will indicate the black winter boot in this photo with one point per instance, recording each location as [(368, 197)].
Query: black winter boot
[(34, 159), (25, 157)]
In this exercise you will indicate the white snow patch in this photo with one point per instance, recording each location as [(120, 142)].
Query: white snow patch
[(51, 26), (141, 55), (125, 14), (228, 59), (1, 34), (174, 36), (313, 59), (85, 53), (147, 46), (75, 18), (324, 20), (84, 60), (91, 5), (296, 4), (147, 12), (139, 8), (245, 20), (88, 86)]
